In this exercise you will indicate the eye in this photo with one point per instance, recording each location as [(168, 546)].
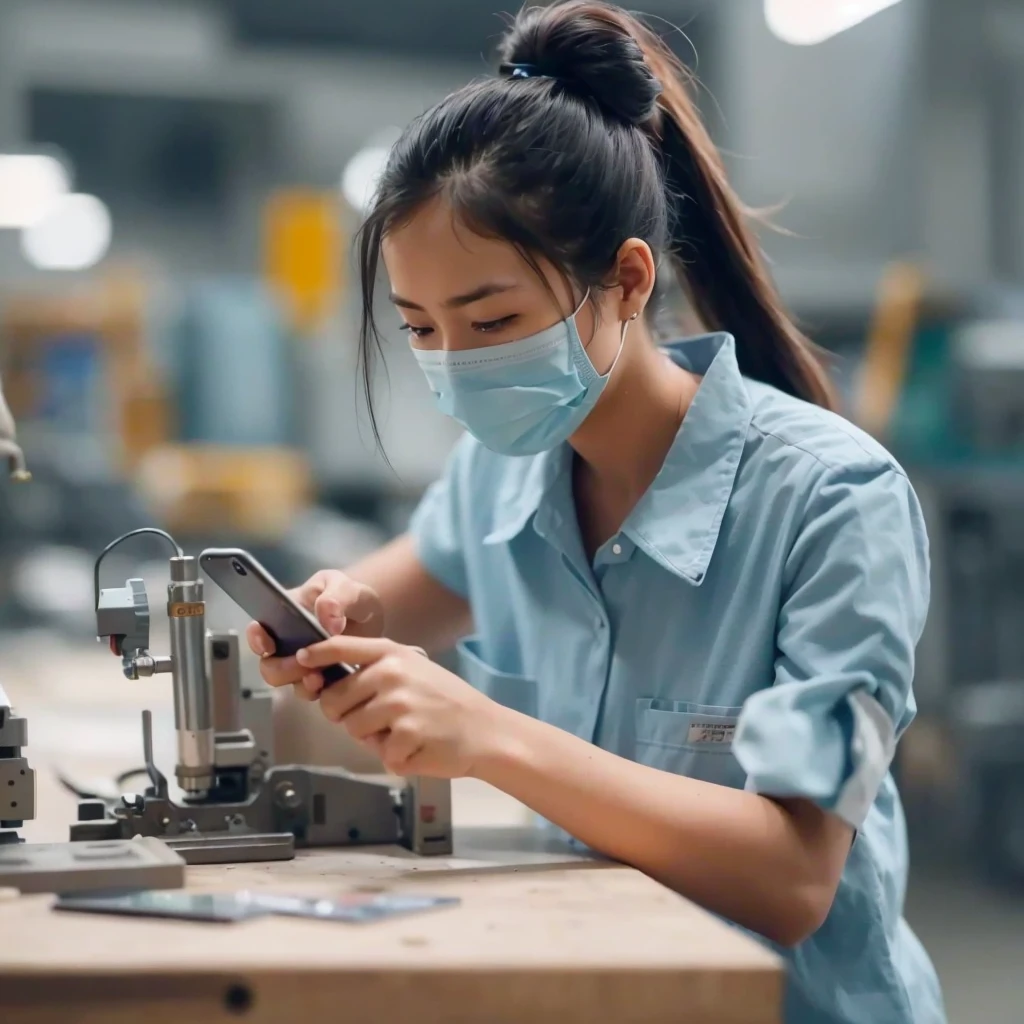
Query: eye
[(489, 326), (417, 332)]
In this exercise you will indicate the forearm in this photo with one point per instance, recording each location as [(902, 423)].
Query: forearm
[(418, 610), (740, 855)]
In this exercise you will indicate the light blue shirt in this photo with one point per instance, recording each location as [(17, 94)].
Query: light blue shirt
[(752, 624)]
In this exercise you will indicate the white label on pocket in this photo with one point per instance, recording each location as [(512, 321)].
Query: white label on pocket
[(711, 733)]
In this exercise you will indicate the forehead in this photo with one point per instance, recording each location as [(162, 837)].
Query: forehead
[(433, 247)]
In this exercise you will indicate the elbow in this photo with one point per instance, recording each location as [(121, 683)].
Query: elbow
[(801, 914)]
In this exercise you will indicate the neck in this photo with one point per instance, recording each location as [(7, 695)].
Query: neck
[(623, 442)]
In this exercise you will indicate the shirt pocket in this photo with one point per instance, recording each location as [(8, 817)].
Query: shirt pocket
[(694, 740), (513, 691)]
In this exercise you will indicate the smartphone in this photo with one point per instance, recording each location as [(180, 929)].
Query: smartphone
[(257, 593), (224, 908)]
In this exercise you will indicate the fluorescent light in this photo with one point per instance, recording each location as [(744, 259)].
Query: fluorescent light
[(363, 171), (29, 186), (805, 22), (74, 234)]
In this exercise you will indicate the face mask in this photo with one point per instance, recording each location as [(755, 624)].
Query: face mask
[(520, 397)]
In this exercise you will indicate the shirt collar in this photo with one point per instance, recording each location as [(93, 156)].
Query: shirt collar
[(677, 521)]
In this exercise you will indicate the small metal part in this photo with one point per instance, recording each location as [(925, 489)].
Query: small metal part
[(225, 672), (17, 779), (92, 810), (287, 796), (134, 803), (122, 616), (427, 816), (233, 847), (146, 665), (156, 777)]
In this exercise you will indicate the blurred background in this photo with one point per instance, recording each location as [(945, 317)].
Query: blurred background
[(179, 186)]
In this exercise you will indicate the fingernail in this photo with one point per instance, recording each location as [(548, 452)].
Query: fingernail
[(337, 624), (262, 647), (302, 657), (312, 682)]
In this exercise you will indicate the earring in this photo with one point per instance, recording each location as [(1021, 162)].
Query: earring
[(633, 316)]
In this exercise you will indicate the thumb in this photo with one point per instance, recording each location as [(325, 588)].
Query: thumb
[(327, 609)]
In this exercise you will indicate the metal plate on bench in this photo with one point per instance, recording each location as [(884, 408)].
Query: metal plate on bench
[(144, 863)]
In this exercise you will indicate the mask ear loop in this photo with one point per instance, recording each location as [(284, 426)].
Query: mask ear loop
[(622, 339), (622, 342)]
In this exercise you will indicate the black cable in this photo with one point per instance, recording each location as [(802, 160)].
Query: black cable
[(114, 543), (117, 783)]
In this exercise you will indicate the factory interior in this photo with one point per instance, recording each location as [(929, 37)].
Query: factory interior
[(180, 185)]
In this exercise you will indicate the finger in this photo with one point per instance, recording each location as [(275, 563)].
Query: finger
[(352, 650), (259, 640), (370, 718), (313, 683), (281, 671), (403, 743), (345, 696), (308, 593), (344, 602), (302, 693)]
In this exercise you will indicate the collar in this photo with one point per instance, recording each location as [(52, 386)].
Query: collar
[(677, 520)]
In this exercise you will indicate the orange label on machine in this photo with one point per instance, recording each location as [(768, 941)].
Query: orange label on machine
[(185, 609)]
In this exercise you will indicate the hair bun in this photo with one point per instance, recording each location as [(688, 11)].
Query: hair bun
[(583, 47)]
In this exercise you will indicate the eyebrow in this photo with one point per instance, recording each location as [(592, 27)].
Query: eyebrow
[(485, 291)]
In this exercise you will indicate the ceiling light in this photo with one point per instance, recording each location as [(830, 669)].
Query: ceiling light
[(29, 186), (74, 234), (363, 171), (805, 22)]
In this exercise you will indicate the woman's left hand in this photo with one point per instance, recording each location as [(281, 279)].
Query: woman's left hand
[(418, 717)]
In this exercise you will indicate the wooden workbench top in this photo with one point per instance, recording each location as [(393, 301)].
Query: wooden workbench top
[(542, 935)]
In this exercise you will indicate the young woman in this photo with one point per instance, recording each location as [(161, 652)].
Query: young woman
[(685, 593)]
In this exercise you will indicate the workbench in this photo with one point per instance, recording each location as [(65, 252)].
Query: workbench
[(542, 933)]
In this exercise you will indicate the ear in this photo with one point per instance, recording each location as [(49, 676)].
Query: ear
[(635, 274)]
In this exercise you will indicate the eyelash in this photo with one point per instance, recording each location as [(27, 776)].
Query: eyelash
[(485, 327)]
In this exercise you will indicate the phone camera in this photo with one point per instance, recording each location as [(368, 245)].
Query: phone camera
[(239, 568)]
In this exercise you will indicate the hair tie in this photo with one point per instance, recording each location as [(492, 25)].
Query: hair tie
[(522, 71)]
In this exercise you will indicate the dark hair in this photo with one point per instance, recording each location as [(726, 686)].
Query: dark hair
[(588, 138)]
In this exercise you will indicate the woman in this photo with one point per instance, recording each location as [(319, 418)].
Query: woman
[(685, 593)]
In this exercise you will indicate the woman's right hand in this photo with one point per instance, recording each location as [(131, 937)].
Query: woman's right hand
[(341, 605)]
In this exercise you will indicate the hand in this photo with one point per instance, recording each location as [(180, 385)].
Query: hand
[(341, 605), (416, 716)]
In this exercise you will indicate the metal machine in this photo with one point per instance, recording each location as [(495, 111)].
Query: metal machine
[(237, 805), (17, 780)]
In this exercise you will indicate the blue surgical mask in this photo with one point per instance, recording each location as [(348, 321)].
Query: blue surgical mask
[(520, 397)]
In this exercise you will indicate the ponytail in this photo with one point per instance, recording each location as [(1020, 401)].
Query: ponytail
[(716, 254)]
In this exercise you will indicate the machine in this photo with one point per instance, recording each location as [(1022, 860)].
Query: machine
[(236, 803)]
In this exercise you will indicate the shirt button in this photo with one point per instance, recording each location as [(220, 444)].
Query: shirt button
[(616, 549)]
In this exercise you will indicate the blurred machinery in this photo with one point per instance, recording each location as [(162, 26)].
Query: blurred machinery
[(944, 389)]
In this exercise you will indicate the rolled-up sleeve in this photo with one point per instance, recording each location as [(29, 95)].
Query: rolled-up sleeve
[(855, 599), (437, 525)]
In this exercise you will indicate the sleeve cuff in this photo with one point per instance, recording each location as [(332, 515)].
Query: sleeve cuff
[(820, 742)]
